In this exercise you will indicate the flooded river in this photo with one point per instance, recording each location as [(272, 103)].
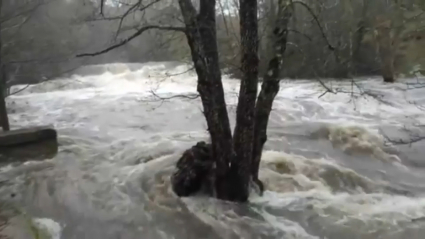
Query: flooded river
[(326, 167)]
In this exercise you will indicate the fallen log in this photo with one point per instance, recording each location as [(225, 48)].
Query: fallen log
[(29, 135), (28, 144)]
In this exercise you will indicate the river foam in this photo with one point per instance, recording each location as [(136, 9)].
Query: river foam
[(327, 168)]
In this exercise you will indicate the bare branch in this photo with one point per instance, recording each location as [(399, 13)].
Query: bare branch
[(189, 96), (136, 34), (16, 92), (132, 9), (180, 73), (23, 12), (327, 88), (332, 48), (410, 141), (301, 33), (125, 15), (412, 86), (49, 59), (102, 5), (224, 16), (48, 78)]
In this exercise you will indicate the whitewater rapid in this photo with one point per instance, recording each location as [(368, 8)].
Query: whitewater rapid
[(328, 170)]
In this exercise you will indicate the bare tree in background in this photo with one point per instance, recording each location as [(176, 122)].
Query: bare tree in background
[(396, 29), (38, 41), (350, 27), (10, 20)]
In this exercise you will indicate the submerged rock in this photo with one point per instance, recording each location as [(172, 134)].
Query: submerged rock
[(194, 171), (196, 174)]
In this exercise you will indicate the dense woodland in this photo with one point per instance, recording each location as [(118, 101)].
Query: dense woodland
[(250, 39), (40, 38)]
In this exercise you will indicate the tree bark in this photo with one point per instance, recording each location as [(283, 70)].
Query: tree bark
[(244, 130), (202, 40), (270, 86), (4, 120), (385, 48), (236, 160)]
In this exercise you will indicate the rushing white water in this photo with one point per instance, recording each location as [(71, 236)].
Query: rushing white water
[(326, 168)]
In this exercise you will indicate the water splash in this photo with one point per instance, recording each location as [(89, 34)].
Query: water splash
[(327, 171), (50, 227)]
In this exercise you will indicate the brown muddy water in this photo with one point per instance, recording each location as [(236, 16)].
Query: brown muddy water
[(327, 169)]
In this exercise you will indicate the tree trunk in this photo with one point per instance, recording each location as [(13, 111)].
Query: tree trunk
[(4, 120), (270, 86), (201, 37), (236, 160), (244, 130), (359, 36), (385, 48)]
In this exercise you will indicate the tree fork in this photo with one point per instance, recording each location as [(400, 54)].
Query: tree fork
[(270, 86)]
